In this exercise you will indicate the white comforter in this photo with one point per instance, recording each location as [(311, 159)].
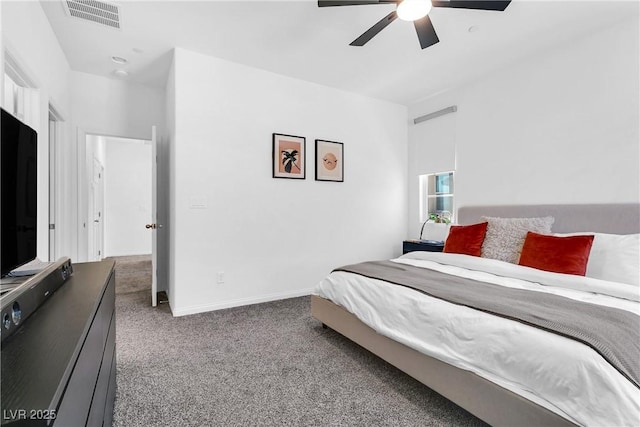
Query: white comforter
[(565, 376)]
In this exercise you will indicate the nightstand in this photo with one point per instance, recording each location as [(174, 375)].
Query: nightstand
[(422, 245)]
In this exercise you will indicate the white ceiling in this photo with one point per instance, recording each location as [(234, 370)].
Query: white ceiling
[(298, 39)]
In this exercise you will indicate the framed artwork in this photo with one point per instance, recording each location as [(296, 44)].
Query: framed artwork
[(288, 156), (329, 161)]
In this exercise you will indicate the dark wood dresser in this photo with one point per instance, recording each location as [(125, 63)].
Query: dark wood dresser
[(60, 367)]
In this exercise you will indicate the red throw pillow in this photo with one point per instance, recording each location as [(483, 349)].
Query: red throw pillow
[(568, 255), (465, 239)]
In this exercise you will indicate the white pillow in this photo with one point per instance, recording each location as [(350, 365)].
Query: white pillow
[(505, 236), (613, 257)]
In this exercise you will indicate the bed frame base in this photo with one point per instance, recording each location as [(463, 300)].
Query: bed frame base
[(489, 402)]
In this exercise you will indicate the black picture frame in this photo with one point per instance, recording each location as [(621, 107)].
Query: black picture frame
[(288, 156), (329, 161)]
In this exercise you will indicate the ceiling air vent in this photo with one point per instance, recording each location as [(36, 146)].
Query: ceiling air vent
[(95, 11)]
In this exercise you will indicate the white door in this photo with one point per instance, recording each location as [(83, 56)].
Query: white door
[(85, 219), (97, 184), (154, 226)]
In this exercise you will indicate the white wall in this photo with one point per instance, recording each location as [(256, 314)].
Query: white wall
[(115, 107), (1, 58), (94, 104), (275, 238), (28, 36), (558, 127), (127, 197), (165, 248), (112, 107)]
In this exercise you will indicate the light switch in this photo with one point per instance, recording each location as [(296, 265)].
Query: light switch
[(198, 202)]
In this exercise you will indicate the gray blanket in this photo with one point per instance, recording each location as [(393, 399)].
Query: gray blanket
[(613, 333)]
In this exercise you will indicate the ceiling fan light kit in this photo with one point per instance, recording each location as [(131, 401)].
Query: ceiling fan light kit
[(410, 10), (416, 11)]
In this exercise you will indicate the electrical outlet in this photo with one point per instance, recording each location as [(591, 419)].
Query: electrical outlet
[(220, 277)]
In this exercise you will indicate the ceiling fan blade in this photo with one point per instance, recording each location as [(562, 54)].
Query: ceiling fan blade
[(371, 32), (426, 33), (331, 3), (472, 4)]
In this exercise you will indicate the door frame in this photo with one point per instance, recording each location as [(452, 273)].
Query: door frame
[(83, 213), (56, 129), (154, 217), (96, 212)]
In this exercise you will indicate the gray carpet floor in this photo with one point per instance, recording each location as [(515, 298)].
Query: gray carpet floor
[(133, 273), (268, 364)]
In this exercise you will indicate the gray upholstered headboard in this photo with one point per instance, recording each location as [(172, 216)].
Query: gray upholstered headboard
[(620, 218)]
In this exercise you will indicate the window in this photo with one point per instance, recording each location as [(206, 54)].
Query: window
[(436, 191), (13, 97), (21, 98)]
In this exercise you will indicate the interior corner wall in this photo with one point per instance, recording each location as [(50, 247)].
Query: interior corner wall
[(269, 238), (95, 104), (1, 60), (116, 107), (561, 126), (111, 107), (28, 36), (165, 248)]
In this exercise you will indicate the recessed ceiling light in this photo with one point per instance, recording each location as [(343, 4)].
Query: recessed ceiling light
[(121, 73), (473, 28), (138, 50), (119, 60)]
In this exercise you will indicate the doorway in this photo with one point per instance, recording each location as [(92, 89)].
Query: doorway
[(119, 196)]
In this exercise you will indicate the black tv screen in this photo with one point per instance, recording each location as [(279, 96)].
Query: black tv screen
[(18, 192)]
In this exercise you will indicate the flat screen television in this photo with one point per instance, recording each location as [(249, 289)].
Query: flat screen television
[(18, 192)]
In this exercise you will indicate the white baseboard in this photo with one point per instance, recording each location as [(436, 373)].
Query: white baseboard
[(194, 309)]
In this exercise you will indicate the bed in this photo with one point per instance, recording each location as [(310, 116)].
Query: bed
[(503, 371)]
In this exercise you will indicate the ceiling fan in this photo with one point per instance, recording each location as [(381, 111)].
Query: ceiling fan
[(416, 11)]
